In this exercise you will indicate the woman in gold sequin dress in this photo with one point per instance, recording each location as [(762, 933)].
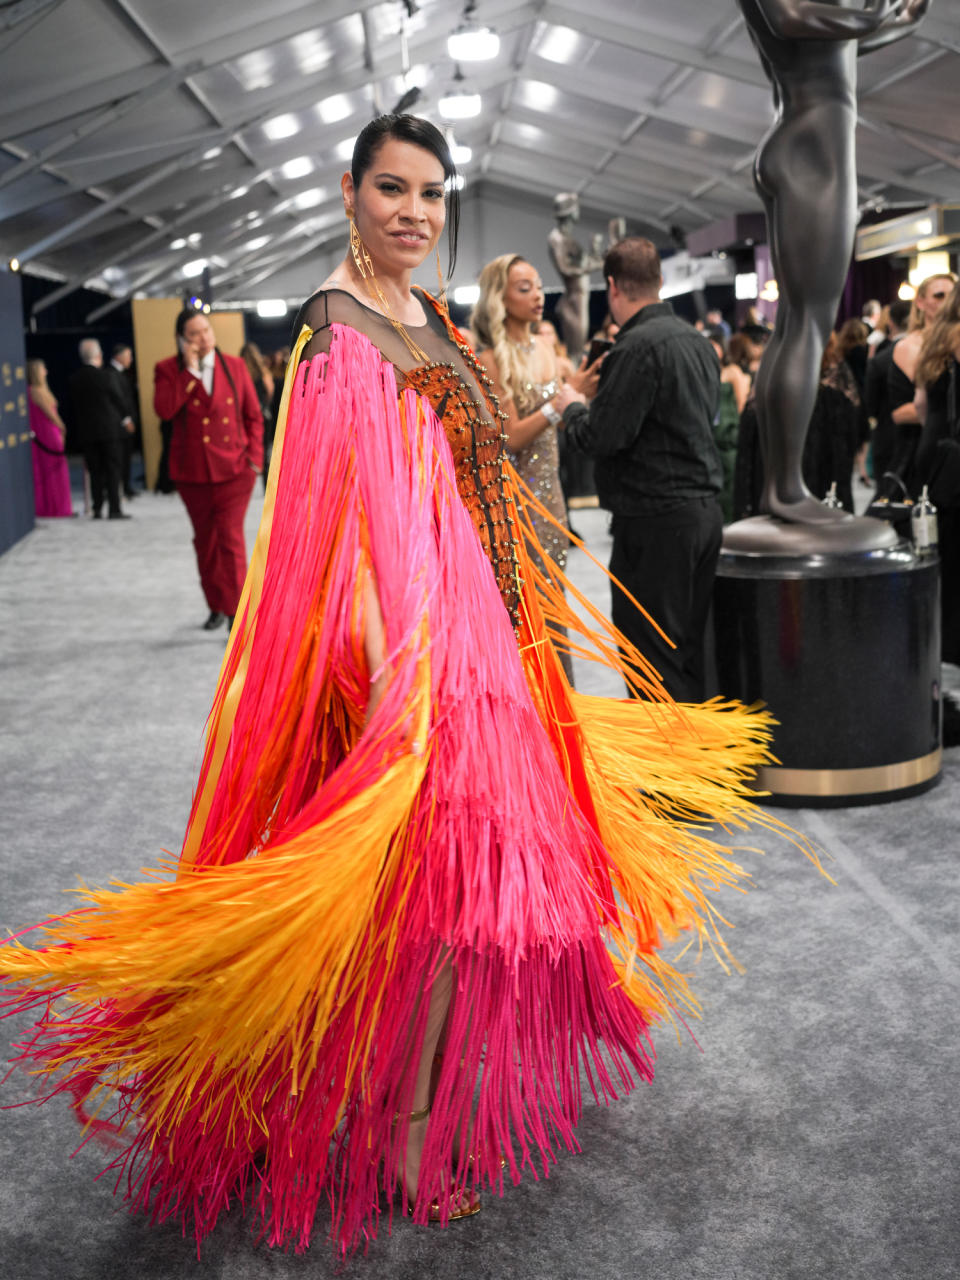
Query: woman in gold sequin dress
[(525, 371)]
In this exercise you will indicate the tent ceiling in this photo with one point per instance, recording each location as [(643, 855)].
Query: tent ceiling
[(128, 126)]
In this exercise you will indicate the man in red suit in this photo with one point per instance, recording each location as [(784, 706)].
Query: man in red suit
[(216, 453)]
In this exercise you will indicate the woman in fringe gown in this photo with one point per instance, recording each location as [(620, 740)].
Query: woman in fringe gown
[(425, 885)]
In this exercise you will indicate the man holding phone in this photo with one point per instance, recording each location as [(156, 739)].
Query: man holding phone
[(650, 431)]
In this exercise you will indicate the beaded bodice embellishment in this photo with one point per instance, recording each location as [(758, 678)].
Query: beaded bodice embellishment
[(474, 432)]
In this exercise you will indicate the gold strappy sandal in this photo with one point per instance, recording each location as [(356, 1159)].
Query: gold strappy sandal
[(463, 1203)]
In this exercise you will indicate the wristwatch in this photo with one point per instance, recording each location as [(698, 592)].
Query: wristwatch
[(551, 413)]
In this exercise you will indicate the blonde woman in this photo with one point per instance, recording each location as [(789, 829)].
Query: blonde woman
[(51, 475), (519, 351), (523, 364), (929, 298), (931, 294)]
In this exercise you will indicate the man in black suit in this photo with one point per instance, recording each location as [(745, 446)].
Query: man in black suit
[(119, 371), (876, 398), (102, 418)]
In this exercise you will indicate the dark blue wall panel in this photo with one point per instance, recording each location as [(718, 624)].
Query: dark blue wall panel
[(16, 469)]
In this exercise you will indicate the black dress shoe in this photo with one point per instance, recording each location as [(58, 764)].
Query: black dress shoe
[(215, 620)]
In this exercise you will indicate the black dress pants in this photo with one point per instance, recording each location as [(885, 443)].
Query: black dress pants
[(668, 563), (127, 445), (104, 459)]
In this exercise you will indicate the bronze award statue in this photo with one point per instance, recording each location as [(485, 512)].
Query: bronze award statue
[(574, 264), (805, 172)]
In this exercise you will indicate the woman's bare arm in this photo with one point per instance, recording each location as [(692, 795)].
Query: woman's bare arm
[(44, 399), (920, 404)]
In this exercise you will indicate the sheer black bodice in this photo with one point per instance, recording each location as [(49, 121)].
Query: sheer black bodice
[(460, 393)]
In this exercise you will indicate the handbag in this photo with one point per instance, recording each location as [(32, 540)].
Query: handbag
[(943, 483)]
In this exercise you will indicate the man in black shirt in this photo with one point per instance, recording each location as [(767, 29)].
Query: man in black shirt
[(650, 432)]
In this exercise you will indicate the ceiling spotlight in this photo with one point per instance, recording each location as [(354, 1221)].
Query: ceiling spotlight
[(297, 168), (336, 107), (309, 199), (460, 154), (213, 153), (194, 268), (284, 126), (559, 44), (14, 264), (459, 105), (268, 307), (470, 43)]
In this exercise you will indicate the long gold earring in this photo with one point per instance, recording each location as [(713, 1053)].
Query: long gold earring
[(364, 265), (358, 251)]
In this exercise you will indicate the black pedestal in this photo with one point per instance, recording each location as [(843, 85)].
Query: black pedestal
[(845, 651)]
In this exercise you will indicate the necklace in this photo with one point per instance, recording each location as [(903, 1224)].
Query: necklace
[(527, 348)]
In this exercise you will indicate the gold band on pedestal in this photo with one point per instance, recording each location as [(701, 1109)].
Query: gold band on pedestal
[(849, 782)]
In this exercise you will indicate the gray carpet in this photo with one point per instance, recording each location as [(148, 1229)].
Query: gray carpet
[(809, 1130)]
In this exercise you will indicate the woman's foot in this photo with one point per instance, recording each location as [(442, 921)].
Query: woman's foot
[(473, 1155), (462, 1203)]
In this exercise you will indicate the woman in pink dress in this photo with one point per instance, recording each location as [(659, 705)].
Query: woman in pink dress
[(51, 475)]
